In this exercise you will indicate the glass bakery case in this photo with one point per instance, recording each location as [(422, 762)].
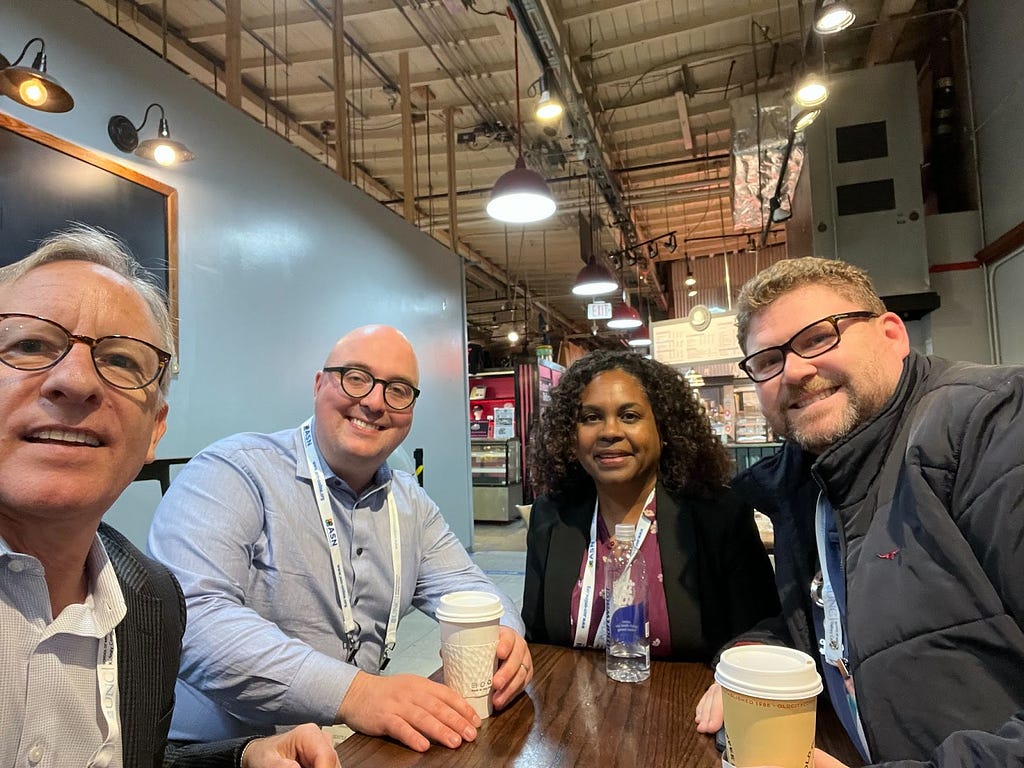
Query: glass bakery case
[(497, 479)]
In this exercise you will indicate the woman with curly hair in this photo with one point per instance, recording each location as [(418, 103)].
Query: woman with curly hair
[(625, 441)]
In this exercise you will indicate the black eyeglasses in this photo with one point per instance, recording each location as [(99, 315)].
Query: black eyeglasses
[(31, 343), (813, 340), (358, 383)]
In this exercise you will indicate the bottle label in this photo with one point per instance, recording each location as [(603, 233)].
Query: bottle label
[(628, 624)]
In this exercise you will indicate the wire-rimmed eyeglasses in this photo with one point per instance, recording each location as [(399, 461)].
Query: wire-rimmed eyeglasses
[(31, 343), (810, 341), (358, 383)]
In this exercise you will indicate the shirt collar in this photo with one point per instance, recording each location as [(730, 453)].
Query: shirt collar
[(379, 484)]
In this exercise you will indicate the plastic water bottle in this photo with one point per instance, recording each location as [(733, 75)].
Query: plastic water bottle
[(627, 646)]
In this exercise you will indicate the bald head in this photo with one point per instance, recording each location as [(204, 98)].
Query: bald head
[(357, 434), (369, 343)]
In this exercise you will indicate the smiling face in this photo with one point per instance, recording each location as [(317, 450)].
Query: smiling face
[(818, 402), (356, 435), (617, 440), (69, 442)]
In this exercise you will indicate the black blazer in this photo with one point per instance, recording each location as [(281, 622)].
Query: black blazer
[(149, 651), (717, 577)]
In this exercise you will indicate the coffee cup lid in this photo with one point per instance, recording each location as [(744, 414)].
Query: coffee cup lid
[(468, 607), (768, 672)]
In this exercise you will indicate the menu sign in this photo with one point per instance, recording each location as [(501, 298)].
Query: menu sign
[(680, 343)]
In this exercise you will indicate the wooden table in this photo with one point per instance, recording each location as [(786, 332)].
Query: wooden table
[(574, 715)]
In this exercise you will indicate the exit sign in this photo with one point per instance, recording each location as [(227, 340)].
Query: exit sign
[(599, 310)]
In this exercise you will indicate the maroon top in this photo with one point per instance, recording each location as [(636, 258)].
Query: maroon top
[(657, 608)]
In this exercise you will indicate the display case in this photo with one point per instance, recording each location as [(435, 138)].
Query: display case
[(497, 479)]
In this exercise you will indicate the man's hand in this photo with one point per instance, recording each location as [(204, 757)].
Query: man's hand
[(709, 710), (306, 746), (409, 708), (515, 669)]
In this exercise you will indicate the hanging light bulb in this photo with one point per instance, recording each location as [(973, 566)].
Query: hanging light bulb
[(594, 280), (811, 91), (640, 337), (692, 292), (624, 316), (833, 16), (548, 107), (520, 196), (513, 336), (690, 279)]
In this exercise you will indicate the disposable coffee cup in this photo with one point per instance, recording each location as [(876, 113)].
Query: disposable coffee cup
[(768, 695), (469, 639)]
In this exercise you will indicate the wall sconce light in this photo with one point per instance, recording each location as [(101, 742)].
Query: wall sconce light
[(520, 196), (32, 86), (162, 149), (833, 16)]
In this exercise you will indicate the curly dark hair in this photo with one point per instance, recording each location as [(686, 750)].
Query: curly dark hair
[(692, 458)]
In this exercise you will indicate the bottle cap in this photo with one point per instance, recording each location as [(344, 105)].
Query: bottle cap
[(624, 532)]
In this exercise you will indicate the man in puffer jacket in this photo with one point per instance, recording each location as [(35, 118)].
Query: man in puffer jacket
[(904, 474)]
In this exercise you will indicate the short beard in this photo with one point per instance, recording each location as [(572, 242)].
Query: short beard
[(861, 406)]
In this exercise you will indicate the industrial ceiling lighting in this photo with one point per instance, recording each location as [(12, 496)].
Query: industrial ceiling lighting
[(548, 106), (32, 86), (803, 118), (520, 196), (162, 149), (690, 280), (640, 337), (624, 316), (811, 91), (833, 16), (692, 292), (594, 280)]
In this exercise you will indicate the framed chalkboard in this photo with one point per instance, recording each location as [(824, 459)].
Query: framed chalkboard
[(47, 183)]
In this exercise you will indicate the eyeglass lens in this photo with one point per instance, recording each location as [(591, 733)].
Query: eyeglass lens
[(359, 383), (34, 344), (810, 342)]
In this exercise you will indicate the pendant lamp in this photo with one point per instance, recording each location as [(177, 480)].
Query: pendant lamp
[(594, 280), (640, 337), (624, 316), (520, 196)]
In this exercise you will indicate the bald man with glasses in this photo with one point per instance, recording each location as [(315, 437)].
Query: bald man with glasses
[(898, 506), (299, 552)]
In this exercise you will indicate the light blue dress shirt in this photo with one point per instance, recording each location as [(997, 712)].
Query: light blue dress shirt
[(263, 647)]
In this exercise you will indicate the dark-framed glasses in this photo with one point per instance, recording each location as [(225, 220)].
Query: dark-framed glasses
[(358, 383), (810, 341), (30, 343)]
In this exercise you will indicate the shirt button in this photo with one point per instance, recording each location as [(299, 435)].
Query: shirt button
[(16, 566), (359, 550), (35, 754)]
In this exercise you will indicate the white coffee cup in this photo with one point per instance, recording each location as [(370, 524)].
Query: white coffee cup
[(769, 696), (469, 639)]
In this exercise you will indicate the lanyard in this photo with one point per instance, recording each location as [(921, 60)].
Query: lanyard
[(349, 624), (106, 681), (832, 650), (586, 609)]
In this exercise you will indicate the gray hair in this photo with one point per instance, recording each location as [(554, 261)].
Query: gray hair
[(850, 282), (83, 243)]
